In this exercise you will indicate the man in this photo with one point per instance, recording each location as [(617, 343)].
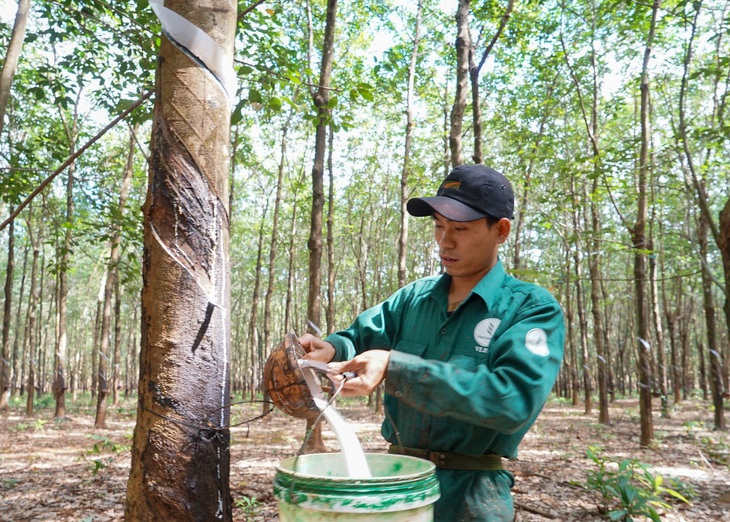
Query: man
[(470, 356)]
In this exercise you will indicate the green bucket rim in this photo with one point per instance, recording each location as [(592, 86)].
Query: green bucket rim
[(408, 491)]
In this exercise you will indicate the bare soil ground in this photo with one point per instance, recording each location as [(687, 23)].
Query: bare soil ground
[(68, 471)]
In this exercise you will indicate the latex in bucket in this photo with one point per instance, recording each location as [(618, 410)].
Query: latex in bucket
[(315, 487)]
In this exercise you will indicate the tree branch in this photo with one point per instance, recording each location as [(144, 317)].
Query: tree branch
[(73, 157)]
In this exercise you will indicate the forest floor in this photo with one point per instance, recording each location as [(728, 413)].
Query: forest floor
[(69, 471)]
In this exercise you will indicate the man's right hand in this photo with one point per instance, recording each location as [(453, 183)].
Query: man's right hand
[(316, 348)]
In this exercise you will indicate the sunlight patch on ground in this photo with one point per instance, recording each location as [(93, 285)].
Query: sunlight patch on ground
[(685, 472)]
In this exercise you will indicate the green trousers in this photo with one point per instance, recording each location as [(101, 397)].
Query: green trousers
[(474, 496)]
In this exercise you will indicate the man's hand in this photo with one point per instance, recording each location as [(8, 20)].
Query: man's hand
[(316, 348), (371, 367)]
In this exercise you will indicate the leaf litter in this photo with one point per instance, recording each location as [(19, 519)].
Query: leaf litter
[(69, 471)]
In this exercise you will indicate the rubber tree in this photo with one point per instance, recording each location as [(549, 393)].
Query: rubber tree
[(180, 452), (321, 99), (642, 244)]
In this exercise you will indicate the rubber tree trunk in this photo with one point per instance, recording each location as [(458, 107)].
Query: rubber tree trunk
[(406, 171), (641, 246), (11, 57), (105, 368), (180, 452), (30, 338), (724, 244), (321, 98), (463, 49), (7, 312)]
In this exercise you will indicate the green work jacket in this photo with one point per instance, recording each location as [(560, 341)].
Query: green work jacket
[(472, 381)]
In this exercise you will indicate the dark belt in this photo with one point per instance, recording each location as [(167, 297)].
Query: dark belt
[(444, 460)]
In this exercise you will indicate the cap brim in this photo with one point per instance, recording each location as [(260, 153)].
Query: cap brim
[(447, 207)]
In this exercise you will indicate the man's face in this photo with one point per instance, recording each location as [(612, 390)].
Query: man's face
[(469, 249)]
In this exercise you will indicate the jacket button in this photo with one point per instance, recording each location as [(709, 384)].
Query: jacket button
[(398, 394), (443, 331)]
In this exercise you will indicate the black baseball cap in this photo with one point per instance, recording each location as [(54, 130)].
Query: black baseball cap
[(468, 193)]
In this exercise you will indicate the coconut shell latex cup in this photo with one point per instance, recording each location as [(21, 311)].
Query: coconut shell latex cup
[(291, 388)]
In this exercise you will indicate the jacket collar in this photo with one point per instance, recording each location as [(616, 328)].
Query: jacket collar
[(488, 288)]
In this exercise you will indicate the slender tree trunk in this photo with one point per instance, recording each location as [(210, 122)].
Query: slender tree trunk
[(569, 314), (713, 347), (254, 345), (321, 101), (331, 266), (642, 245), (60, 356), (290, 269), (724, 245), (463, 50), (274, 240), (116, 365), (59, 365), (112, 270), (30, 341), (672, 316), (11, 58), (7, 312), (97, 336), (474, 71), (405, 173), (18, 339), (180, 451), (321, 97), (661, 373)]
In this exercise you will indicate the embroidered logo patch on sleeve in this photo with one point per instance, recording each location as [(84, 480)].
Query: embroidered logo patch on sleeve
[(536, 342)]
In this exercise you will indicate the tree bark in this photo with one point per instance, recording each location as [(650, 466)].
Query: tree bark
[(642, 246), (7, 312), (30, 338), (112, 274), (180, 452), (331, 266), (463, 50), (10, 63), (321, 101), (474, 71), (714, 354), (59, 361), (405, 173), (724, 244)]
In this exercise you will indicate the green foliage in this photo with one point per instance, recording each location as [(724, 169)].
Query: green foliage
[(103, 453), (693, 426), (249, 506), (630, 489), (37, 425)]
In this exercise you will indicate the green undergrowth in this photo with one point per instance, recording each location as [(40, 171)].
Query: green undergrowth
[(630, 490)]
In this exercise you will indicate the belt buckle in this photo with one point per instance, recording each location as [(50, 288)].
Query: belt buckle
[(437, 457)]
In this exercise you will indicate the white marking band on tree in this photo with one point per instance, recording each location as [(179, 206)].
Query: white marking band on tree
[(196, 42)]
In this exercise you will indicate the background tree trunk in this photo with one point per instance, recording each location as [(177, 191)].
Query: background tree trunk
[(463, 50), (642, 246), (321, 98), (109, 286), (11, 58), (30, 338), (180, 457), (474, 71), (405, 173), (7, 312)]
